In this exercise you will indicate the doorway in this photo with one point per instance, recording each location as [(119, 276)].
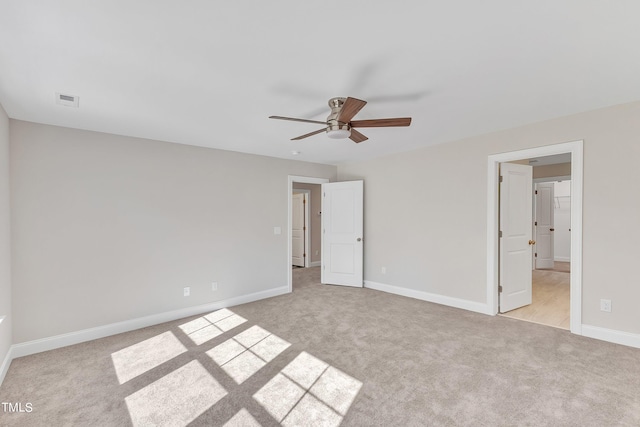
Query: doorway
[(314, 245), (301, 227), (574, 150), (550, 277)]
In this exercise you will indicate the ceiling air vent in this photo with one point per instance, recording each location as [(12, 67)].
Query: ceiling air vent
[(67, 100)]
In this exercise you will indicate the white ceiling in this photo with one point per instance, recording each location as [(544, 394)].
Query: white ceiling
[(209, 73)]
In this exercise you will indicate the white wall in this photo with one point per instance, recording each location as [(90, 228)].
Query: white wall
[(5, 246), (110, 228), (425, 212), (562, 221)]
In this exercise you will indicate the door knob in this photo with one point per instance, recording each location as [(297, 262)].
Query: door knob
[(532, 242), (359, 239)]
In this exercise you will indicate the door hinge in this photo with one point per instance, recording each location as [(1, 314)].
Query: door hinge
[(304, 255), (500, 289), (500, 178), (304, 201), (500, 234), (535, 223), (536, 191), (304, 228), (536, 254)]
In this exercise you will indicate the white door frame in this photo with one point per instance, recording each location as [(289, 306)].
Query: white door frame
[(576, 150), (290, 180), (307, 224)]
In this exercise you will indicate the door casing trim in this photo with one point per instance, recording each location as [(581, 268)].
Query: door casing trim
[(290, 180), (494, 160)]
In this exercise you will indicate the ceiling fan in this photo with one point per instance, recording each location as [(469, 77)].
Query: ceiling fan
[(339, 124)]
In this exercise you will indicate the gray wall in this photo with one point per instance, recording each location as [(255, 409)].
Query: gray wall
[(110, 228), (546, 171), (426, 212), (5, 245)]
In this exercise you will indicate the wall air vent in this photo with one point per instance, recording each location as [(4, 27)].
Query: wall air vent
[(67, 100)]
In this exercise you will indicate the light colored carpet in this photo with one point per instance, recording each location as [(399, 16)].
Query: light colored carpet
[(328, 354)]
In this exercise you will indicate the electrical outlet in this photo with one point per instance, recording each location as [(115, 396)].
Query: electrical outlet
[(214, 286), (605, 305), (384, 270), (187, 291)]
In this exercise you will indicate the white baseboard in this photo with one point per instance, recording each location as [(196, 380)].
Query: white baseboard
[(611, 335), (478, 307), (63, 340), (315, 264), (4, 368), (562, 259), (603, 334)]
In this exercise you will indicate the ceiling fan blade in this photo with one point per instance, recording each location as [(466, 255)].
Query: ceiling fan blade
[(357, 136), (350, 108), (309, 134), (377, 123), (297, 120)]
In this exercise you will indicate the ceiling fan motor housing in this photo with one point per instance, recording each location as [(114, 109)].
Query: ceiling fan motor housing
[(339, 124), (336, 129)]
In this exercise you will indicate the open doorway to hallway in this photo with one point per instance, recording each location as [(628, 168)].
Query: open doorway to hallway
[(304, 235), (306, 219), (306, 232), (551, 254)]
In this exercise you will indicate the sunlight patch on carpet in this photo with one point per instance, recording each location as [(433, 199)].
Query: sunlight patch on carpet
[(139, 358), (176, 399), (308, 391), (243, 355), (207, 327)]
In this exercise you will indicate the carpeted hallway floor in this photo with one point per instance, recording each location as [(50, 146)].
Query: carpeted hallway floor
[(334, 356)]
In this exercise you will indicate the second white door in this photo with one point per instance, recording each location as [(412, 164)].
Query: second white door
[(342, 227), (544, 225)]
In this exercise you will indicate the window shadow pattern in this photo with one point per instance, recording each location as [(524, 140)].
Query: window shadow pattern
[(307, 391)]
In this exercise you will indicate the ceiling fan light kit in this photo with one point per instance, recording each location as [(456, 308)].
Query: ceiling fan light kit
[(338, 132), (339, 124)]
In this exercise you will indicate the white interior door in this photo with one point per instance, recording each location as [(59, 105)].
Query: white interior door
[(562, 221), (342, 227), (544, 225), (516, 217), (297, 230)]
